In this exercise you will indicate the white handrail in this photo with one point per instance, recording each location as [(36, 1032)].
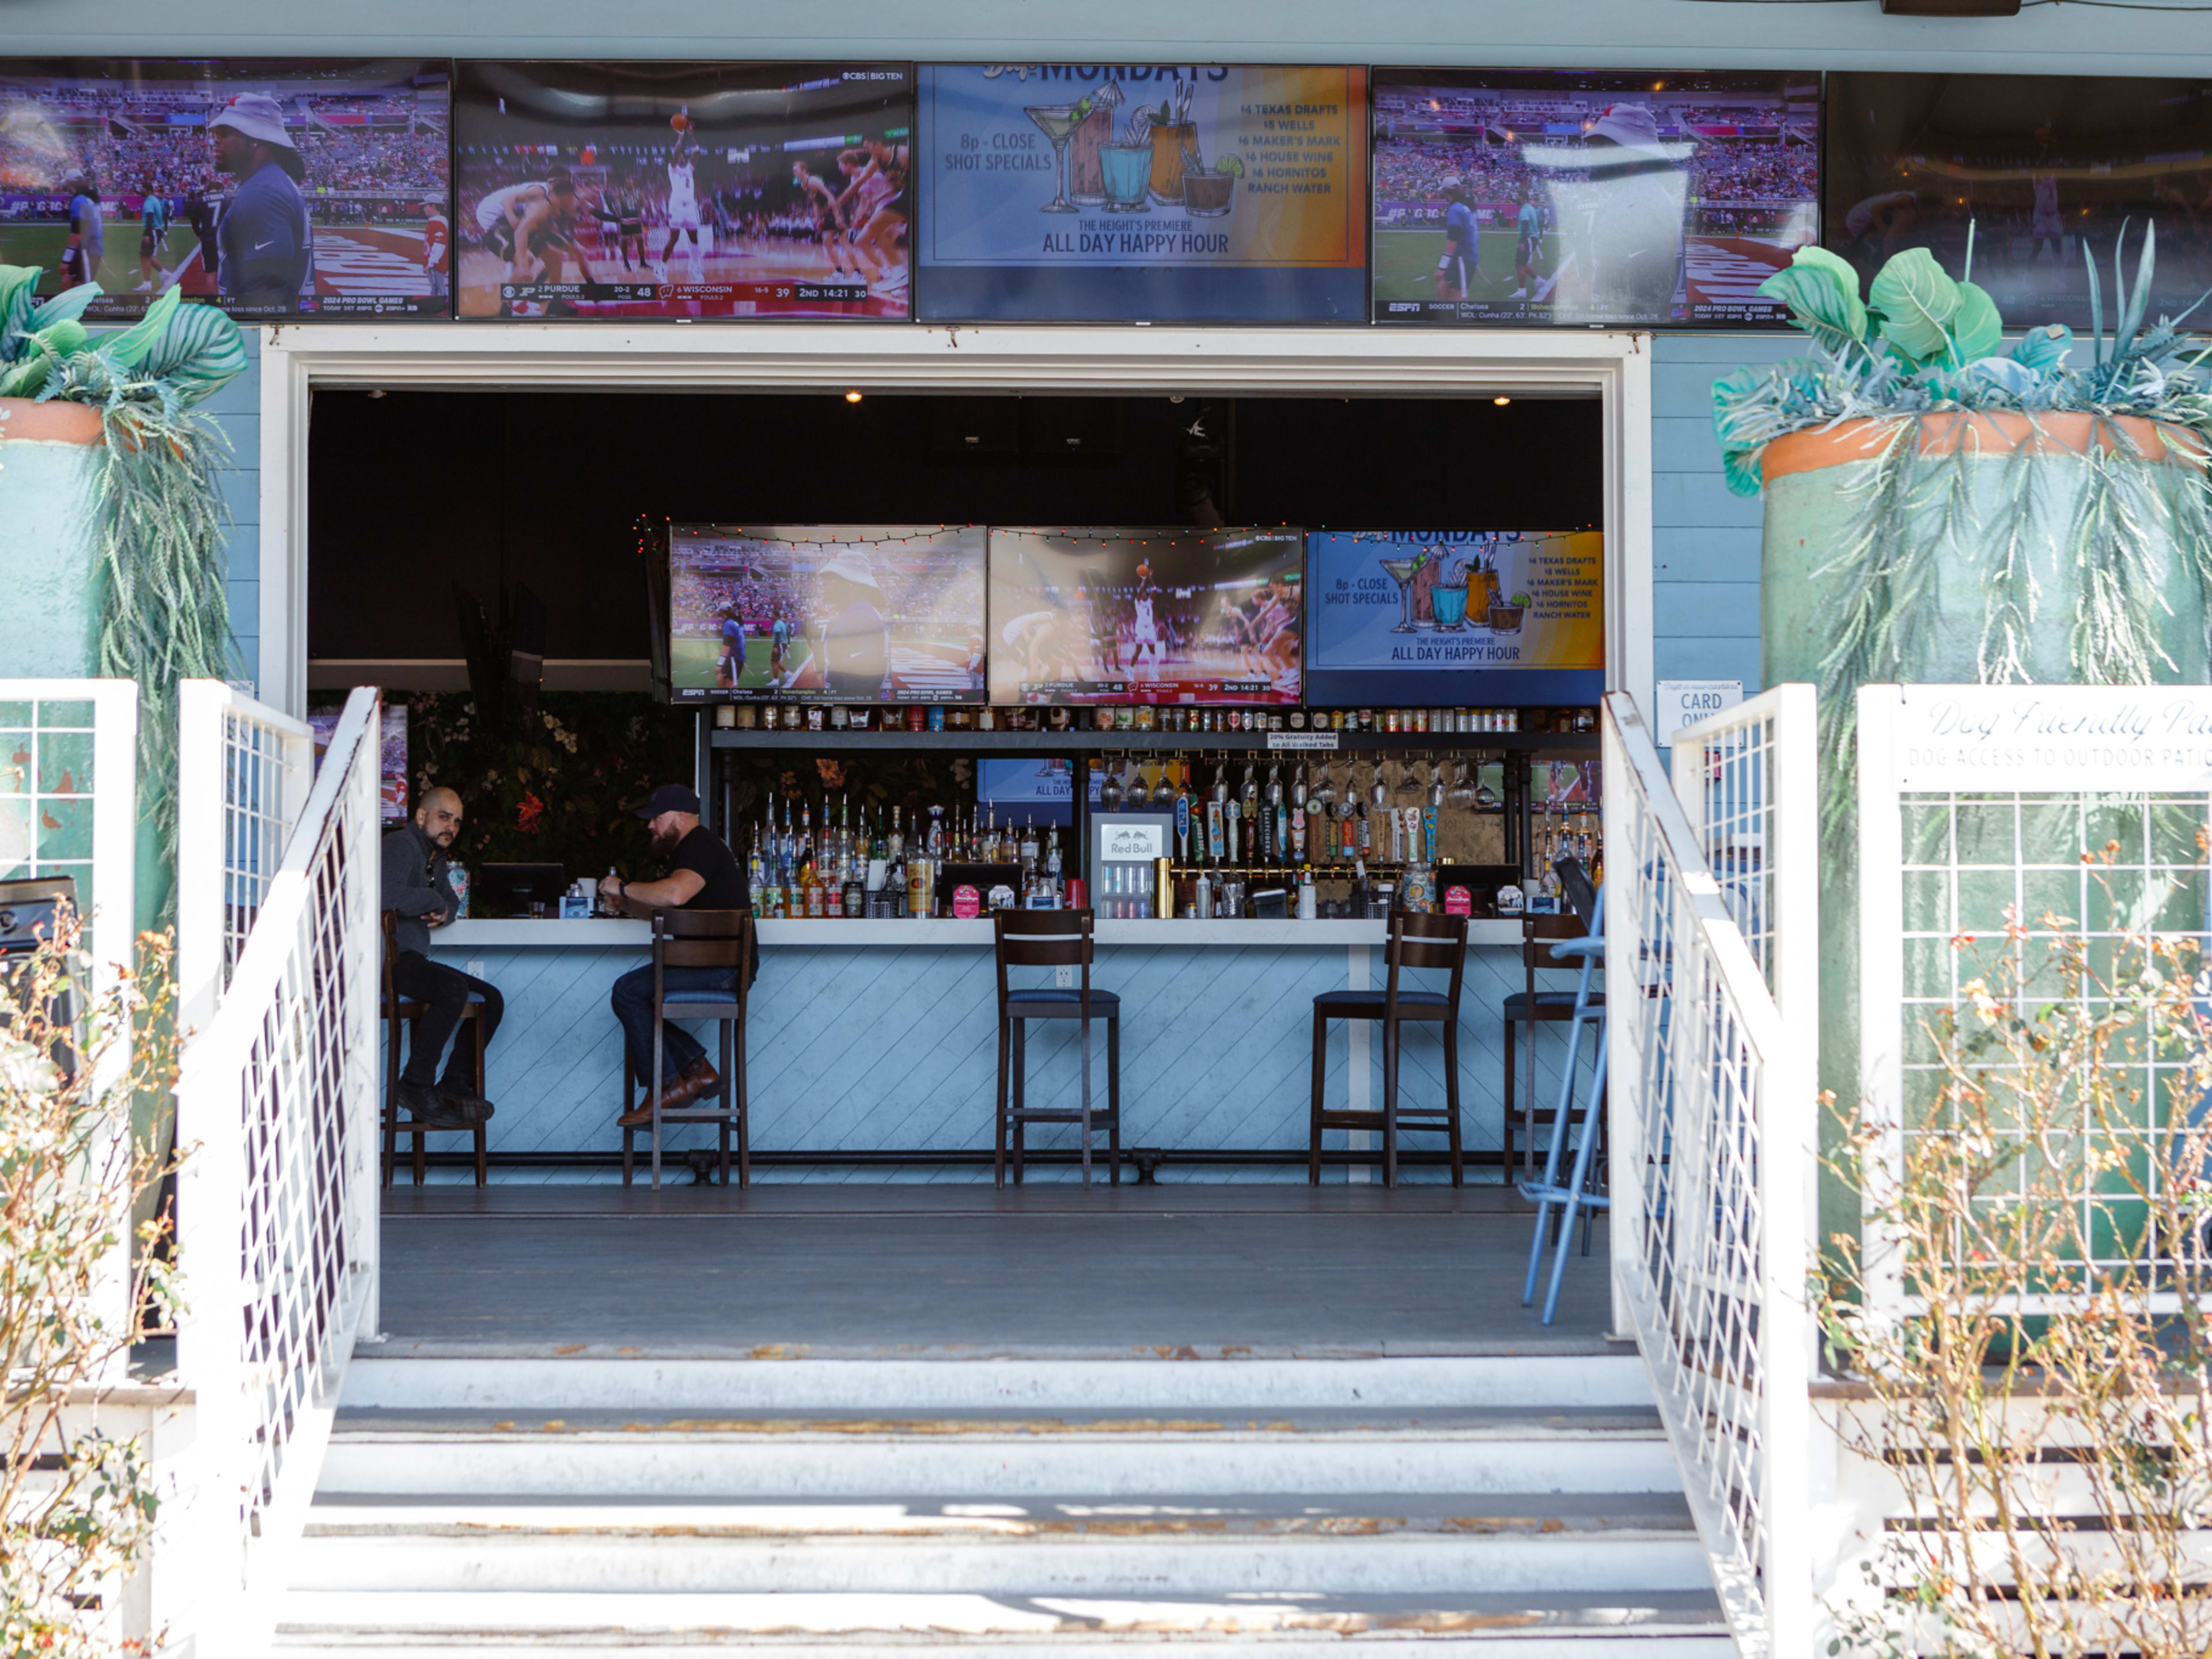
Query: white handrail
[(276, 1208), (1712, 1125)]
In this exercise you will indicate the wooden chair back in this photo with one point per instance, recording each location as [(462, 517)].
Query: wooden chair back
[(1043, 939), (1416, 940), (702, 939), (391, 950)]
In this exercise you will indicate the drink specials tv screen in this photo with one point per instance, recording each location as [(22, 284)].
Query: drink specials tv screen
[(1114, 616), (1062, 193), (830, 613), (629, 190), (1542, 195), (1461, 617), (275, 189), (2044, 168)]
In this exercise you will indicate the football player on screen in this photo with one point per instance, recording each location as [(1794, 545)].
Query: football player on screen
[(1462, 254)]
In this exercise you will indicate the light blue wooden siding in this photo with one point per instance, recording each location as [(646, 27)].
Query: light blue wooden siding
[(237, 410)]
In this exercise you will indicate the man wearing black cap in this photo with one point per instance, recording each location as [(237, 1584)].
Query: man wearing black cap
[(702, 875)]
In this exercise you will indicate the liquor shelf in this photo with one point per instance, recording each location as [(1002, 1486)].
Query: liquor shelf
[(614, 932), (1096, 742)]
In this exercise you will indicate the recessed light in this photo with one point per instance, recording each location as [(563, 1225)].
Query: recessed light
[(1501, 401), (852, 397)]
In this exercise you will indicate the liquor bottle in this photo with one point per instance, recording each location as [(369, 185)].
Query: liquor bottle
[(1052, 871), (1028, 849), (1308, 903), (935, 845), (895, 882), (919, 873), (856, 895)]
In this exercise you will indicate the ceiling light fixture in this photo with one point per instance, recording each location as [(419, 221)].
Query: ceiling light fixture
[(852, 397)]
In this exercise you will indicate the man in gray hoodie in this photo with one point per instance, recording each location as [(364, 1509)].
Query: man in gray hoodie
[(418, 893)]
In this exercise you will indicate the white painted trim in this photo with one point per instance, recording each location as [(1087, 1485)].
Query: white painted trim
[(610, 933), (679, 358)]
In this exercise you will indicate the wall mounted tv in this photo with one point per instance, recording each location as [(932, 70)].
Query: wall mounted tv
[(2044, 168), (629, 190), (1198, 192), (1528, 196), (276, 189), (825, 613), (1136, 616), (1470, 617)]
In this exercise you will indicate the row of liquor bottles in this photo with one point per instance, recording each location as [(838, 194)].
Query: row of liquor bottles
[(889, 867)]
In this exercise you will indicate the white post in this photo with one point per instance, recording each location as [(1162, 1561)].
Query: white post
[(1881, 987), (1624, 925), (364, 978), (203, 834), (114, 825)]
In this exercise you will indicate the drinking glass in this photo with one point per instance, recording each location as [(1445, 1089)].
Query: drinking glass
[(1057, 122)]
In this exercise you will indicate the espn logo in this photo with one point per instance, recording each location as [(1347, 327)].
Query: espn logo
[(1396, 306)]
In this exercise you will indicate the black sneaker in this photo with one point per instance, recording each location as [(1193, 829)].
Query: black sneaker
[(429, 1107), (466, 1102)]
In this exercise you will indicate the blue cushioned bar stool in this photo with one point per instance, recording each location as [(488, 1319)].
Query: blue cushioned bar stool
[(710, 939), (1559, 1199), (399, 1012), (1052, 938), (1415, 941)]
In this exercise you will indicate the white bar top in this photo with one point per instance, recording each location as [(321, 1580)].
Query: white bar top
[(607, 933)]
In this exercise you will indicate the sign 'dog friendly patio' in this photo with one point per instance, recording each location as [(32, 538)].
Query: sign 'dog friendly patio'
[(2036, 739)]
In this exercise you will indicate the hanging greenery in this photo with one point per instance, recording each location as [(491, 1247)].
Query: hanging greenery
[(1921, 359), (158, 534)]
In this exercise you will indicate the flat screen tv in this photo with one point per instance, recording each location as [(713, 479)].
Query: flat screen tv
[(635, 189), (1120, 616), (1614, 199), (1463, 618), (825, 613), (1060, 193), (2045, 168), (276, 189)]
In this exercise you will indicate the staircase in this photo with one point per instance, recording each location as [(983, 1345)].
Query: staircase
[(1526, 1506)]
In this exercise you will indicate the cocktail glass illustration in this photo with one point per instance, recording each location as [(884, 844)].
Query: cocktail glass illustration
[(1401, 572), (1128, 170), (1170, 140), (1451, 607), (1057, 122), (1205, 195), (1086, 180)]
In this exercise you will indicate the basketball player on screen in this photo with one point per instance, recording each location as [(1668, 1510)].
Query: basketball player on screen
[(682, 200), (822, 202), (1145, 629)]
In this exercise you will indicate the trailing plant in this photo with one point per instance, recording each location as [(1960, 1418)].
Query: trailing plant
[(1921, 356), (77, 1504), (2027, 1320), (158, 529)]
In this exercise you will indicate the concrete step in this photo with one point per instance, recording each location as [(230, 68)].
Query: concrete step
[(1000, 1456), (1384, 1544), (1162, 1384), (447, 1624)]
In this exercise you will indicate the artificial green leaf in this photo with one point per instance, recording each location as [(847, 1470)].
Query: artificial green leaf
[(1819, 304), (1846, 277), (198, 350), (1977, 329), (64, 307), (2044, 348), (1917, 302), (1741, 470), (19, 292), (130, 347)]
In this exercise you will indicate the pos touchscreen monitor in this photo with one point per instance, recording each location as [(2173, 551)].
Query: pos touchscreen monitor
[(627, 190), (825, 613), (275, 189), (1607, 198), (1158, 616)]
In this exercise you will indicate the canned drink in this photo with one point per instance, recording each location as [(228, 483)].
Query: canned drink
[(1297, 720), (937, 717), (794, 717), (814, 718), (1145, 718), (839, 719)]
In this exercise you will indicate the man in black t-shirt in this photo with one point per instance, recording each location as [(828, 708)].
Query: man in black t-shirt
[(702, 875)]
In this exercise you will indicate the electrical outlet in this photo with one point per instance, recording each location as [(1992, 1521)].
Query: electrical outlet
[(474, 971), (1064, 974)]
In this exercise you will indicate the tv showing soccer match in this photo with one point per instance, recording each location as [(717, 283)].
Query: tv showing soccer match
[(1118, 615), (1528, 196), (827, 613), (2041, 170), (1462, 616), (275, 189), (629, 190)]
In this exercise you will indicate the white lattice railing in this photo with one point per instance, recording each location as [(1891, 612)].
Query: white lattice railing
[(243, 774), (276, 1203), (68, 800), (1713, 1117)]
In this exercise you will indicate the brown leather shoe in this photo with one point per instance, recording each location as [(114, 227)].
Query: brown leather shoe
[(697, 1078)]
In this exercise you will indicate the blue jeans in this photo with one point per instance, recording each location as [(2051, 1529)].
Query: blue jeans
[(632, 1000)]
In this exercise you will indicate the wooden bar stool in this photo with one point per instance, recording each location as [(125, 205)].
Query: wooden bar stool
[(398, 1011), (700, 938), (1054, 939), (1415, 941)]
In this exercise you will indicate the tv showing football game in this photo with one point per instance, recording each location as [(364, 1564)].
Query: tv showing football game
[(2042, 169), (1617, 199), (827, 613), (1120, 616), (1060, 192), (1456, 617), (275, 189), (629, 190)]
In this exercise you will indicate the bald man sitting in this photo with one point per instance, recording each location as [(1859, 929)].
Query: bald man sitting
[(418, 893)]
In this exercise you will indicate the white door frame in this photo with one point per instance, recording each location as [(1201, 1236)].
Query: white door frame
[(665, 357)]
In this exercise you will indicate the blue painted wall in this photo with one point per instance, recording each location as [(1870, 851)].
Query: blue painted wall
[(237, 410)]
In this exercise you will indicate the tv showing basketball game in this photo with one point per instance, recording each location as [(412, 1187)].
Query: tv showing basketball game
[(273, 188), (1466, 615), (828, 613), (2041, 170), (1116, 616), (629, 190), (1531, 196)]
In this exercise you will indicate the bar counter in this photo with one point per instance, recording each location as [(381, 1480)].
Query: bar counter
[(873, 1043)]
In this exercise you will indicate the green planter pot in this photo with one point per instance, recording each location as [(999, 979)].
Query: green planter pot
[(1810, 479)]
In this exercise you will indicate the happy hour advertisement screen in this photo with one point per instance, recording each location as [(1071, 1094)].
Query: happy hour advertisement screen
[(1097, 192), (643, 189), (1407, 603)]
